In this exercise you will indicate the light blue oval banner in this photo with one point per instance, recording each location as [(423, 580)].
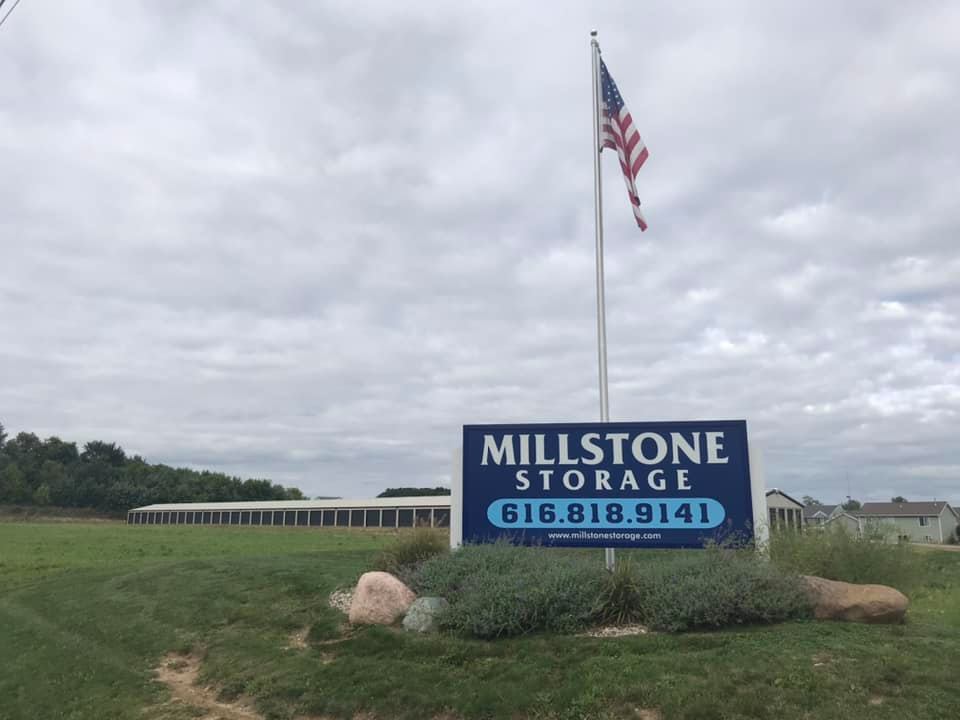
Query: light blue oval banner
[(599, 513)]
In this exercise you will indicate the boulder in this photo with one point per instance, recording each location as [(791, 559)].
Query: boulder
[(379, 599), (422, 615), (834, 600)]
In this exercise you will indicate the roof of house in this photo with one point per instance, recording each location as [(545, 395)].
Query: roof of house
[(781, 492), (843, 514), (810, 511), (906, 509)]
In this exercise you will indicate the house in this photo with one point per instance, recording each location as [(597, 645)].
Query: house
[(784, 511), (819, 514), (848, 521), (922, 522)]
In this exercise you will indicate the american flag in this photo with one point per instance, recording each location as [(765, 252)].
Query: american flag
[(618, 132)]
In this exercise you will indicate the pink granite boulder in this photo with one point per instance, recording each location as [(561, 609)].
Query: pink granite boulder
[(379, 599)]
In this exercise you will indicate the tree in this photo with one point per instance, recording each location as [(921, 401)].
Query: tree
[(53, 472), (851, 504), (809, 500), (413, 492), (13, 486), (109, 453), (41, 496), (53, 476), (3, 435), (899, 499)]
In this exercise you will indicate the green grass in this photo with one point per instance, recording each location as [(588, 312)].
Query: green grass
[(87, 610)]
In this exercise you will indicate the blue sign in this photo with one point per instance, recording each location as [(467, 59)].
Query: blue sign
[(644, 484)]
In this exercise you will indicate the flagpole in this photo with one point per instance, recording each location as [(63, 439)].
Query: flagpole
[(609, 553)]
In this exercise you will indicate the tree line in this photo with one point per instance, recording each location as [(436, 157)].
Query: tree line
[(413, 492), (103, 477)]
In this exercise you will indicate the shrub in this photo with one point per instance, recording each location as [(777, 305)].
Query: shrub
[(499, 590), (836, 554), (719, 588), (621, 596), (405, 554)]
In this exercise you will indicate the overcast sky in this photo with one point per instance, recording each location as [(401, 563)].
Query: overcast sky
[(309, 240)]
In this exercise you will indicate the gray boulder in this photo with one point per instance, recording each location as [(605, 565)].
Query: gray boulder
[(422, 615)]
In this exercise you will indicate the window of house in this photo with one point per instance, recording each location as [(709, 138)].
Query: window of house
[(923, 521)]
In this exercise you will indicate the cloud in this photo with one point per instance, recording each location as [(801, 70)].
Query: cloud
[(309, 241)]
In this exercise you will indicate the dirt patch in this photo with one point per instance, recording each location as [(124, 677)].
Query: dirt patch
[(876, 700), (298, 639), (822, 659), (180, 673)]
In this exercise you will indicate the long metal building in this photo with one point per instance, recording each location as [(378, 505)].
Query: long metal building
[(399, 512)]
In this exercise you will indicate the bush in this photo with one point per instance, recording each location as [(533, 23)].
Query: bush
[(719, 588), (499, 590), (836, 554), (621, 597), (405, 554)]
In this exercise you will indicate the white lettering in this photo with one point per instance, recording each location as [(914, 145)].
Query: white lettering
[(565, 458), (617, 439), (656, 480), (602, 479), (524, 449), (545, 475), (540, 451), (629, 480), (658, 440), (588, 441), (498, 454), (523, 482), (581, 480), (683, 482), (714, 446), (691, 451)]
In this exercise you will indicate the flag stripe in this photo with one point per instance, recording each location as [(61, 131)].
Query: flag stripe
[(618, 132)]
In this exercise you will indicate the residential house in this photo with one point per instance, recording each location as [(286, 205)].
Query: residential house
[(846, 520), (784, 511), (819, 514), (922, 522)]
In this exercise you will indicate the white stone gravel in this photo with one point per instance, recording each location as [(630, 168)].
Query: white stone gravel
[(341, 599), (617, 631)]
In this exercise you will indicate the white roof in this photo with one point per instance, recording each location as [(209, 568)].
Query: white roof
[(424, 501)]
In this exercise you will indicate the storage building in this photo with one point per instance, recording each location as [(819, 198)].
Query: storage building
[(399, 512)]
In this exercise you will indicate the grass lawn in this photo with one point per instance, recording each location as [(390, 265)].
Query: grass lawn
[(87, 611)]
